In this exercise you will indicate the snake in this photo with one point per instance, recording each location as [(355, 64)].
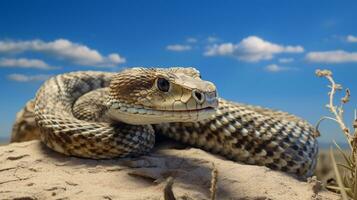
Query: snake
[(103, 115)]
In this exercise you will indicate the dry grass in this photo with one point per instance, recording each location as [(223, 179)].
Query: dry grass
[(324, 170), (345, 171)]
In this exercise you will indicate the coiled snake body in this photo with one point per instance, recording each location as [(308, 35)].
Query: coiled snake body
[(105, 115)]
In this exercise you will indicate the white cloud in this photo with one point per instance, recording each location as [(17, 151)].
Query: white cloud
[(221, 50), (28, 78), (351, 38), (24, 63), (251, 49), (276, 68), (286, 60), (116, 59), (65, 50), (191, 40), (337, 56), (178, 47)]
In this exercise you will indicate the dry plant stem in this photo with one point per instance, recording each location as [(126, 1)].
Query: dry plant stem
[(322, 119), (351, 139), (338, 177), (350, 178), (355, 185), (354, 139), (338, 115), (354, 153)]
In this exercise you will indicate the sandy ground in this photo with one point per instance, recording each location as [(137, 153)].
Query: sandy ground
[(30, 170)]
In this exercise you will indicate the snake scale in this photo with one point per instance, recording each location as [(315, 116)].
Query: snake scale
[(105, 115)]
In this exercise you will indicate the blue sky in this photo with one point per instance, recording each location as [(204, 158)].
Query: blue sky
[(257, 52)]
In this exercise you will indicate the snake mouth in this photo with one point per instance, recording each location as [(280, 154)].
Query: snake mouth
[(188, 110), (149, 111), (140, 115)]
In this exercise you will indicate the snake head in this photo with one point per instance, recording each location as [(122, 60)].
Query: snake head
[(157, 95)]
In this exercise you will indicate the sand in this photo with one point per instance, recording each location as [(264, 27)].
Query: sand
[(30, 170)]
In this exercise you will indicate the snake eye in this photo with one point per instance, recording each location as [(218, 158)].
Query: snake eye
[(163, 84)]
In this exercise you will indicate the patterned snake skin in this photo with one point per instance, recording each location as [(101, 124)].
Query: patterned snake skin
[(78, 114)]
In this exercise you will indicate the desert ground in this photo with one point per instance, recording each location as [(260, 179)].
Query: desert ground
[(29, 170)]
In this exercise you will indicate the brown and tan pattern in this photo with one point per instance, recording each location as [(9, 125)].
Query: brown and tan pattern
[(25, 127), (105, 115)]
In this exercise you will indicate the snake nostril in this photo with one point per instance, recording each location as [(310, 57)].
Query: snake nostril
[(198, 96)]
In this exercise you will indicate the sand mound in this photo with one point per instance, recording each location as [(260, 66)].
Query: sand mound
[(29, 170)]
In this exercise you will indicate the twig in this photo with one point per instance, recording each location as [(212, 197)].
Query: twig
[(338, 177), (354, 153), (351, 179), (355, 184), (355, 123), (338, 116), (337, 113), (322, 119)]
